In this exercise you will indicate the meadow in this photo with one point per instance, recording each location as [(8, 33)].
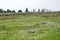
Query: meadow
[(30, 27)]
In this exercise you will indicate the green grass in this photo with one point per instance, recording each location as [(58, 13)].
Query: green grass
[(18, 27)]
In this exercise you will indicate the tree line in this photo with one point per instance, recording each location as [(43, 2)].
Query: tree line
[(26, 10)]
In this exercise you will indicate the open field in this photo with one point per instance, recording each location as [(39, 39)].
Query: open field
[(30, 27)]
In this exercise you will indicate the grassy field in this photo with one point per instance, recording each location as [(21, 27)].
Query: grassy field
[(33, 27)]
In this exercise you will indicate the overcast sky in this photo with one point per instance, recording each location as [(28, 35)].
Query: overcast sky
[(30, 4)]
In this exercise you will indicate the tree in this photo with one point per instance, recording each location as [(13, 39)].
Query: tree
[(33, 10), (8, 10), (26, 10), (13, 11), (4, 11), (58, 11), (43, 10), (38, 10), (1, 10), (19, 10)]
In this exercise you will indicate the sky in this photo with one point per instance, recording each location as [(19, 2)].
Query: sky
[(53, 5)]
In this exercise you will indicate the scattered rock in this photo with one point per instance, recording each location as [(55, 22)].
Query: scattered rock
[(31, 31)]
